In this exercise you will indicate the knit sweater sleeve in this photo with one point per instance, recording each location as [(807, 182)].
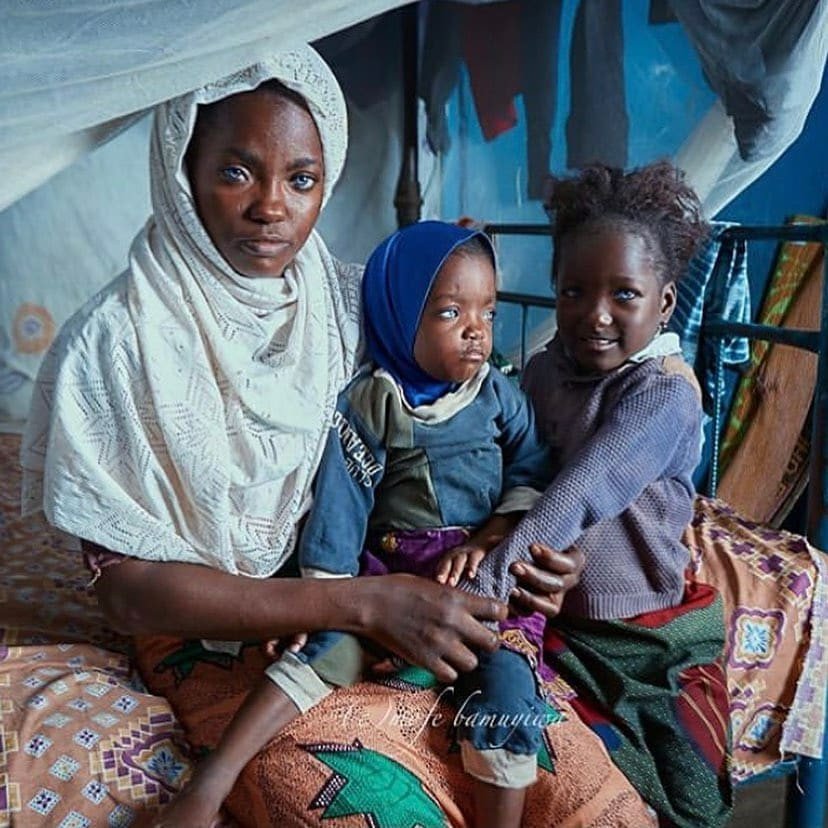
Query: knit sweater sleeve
[(649, 434), (352, 467)]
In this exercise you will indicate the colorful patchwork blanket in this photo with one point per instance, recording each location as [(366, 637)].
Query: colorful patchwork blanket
[(84, 742)]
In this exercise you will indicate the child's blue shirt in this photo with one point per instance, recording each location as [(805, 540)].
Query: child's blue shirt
[(387, 466)]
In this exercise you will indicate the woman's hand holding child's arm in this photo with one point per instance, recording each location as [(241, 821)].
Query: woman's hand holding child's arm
[(543, 583)]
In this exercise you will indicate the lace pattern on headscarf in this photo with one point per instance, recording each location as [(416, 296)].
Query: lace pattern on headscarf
[(181, 415)]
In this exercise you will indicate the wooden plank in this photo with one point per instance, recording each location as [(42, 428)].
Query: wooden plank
[(769, 466)]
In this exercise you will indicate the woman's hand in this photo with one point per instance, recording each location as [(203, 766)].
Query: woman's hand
[(434, 626), (425, 623), (543, 583)]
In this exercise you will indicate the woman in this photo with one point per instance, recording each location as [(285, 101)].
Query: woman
[(180, 415)]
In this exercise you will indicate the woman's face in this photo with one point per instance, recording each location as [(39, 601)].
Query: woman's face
[(256, 171)]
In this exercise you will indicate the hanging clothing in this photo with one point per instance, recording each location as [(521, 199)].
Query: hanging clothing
[(715, 286), (439, 70), (763, 60), (354, 54), (523, 60), (181, 414), (597, 128)]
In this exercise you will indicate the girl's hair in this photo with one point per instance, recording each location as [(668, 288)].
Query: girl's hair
[(653, 202)]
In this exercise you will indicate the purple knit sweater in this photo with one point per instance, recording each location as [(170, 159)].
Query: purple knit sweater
[(626, 444)]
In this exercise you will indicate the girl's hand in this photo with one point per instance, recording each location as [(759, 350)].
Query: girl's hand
[(462, 560), (543, 584)]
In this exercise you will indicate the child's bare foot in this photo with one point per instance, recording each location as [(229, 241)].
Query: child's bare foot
[(199, 802), (189, 809)]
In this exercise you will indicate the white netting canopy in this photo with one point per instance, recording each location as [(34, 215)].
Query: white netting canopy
[(76, 73)]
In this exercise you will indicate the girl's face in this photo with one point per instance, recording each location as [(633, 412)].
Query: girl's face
[(455, 334), (610, 298), (256, 171)]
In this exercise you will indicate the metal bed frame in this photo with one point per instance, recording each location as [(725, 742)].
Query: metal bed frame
[(807, 795)]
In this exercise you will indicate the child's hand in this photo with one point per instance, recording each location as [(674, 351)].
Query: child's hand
[(274, 648), (465, 559), (462, 560)]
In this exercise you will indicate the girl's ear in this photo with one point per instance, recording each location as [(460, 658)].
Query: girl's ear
[(668, 301)]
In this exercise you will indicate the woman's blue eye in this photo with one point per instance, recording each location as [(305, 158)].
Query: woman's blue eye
[(304, 181)]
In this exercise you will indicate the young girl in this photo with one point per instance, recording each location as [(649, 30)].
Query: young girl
[(621, 412), (426, 445)]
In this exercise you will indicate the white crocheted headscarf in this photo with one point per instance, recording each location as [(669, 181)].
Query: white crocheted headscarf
[(182, 413)]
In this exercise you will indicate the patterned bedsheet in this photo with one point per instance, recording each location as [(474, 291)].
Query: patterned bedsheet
[(82, 743), (774, 585)]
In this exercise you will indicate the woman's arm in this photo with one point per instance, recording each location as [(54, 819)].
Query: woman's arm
[(428, 624)]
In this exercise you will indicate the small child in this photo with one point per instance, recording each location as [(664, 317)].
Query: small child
[(431, 458), (621, 413)]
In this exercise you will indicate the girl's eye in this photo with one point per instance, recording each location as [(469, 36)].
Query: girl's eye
[(234, 175), (490, 314), (448, 313), (569, 293), (626, 294), (304, 182)]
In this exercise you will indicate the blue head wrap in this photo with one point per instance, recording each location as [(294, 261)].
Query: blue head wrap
[(397, 281)]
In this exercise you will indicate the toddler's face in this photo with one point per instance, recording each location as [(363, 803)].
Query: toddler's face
[(455, 334), (610, 299)]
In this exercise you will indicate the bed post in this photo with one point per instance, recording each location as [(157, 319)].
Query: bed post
[(407, 198)]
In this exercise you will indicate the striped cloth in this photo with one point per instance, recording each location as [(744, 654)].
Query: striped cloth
[(709, 292)]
